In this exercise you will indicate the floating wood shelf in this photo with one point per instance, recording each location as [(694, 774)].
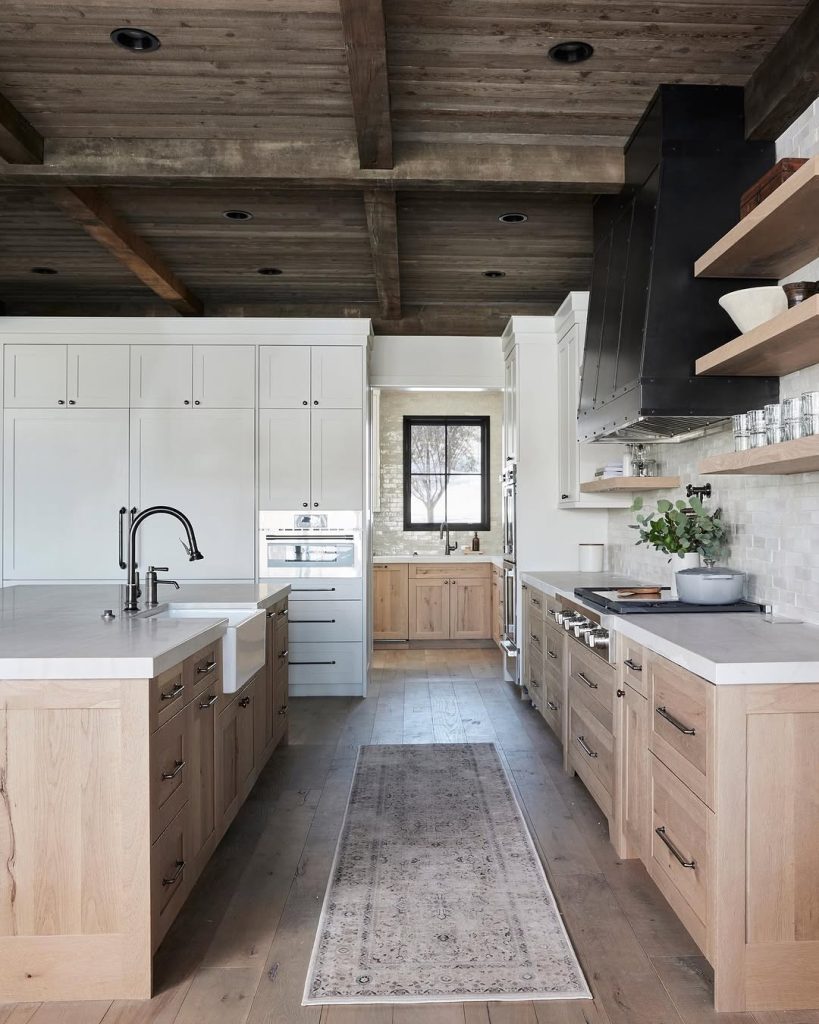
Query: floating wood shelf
[(801, 456), (776, 238), (630, 483), (782, 345)]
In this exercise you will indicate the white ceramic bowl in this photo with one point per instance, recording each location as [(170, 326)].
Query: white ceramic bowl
[(750, 307)]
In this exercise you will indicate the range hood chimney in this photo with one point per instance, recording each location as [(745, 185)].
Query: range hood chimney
[(687, 164)]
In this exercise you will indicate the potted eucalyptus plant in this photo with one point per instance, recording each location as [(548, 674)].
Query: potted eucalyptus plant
[(682, 530)]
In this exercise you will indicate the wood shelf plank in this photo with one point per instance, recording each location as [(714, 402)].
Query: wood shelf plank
[(800, 456), (630, 483), (776, 238), (787, 343)]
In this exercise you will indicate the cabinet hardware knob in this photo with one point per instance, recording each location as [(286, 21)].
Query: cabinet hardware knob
[(174, 693), (663, 712), (244, 701), (180, 867), (582, 741), (621, 693), (209, 702), (315, 504), (178, 766), (284, 653), (186, 402), (675, 852), (71, 401), (305, 402), (587, 681), (197, 402), (60, 401), (315, 401), (564, 497), (283, 709), (304, 504)]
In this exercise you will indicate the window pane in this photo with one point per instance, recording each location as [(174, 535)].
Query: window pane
[(427, 448), (464, 448), (464, 499), (427, 498)]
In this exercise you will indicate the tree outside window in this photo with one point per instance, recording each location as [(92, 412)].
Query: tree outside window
[(446, 467)]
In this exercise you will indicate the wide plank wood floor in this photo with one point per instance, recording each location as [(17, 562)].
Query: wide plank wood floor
[(239, 950)]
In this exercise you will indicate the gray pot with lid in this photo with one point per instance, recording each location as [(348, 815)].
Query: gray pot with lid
[(717, 585)]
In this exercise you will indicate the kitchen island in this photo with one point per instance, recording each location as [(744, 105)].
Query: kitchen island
[(122, 762), (696, 734)]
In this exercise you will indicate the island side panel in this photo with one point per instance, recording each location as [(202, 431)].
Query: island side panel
[(74, 840)]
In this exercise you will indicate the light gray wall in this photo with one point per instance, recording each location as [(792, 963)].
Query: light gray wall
[(774, 519)]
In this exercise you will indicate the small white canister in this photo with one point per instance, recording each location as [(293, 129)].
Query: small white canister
[(591, 557)]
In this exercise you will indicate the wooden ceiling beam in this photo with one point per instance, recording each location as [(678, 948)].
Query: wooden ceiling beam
[(89, 208), (203, 163), (20, 142), (787, 81), (365, 45), (382, 227)]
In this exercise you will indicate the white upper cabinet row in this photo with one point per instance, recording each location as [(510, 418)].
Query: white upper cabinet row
[(46, 376), (298, 377), (206, 376)]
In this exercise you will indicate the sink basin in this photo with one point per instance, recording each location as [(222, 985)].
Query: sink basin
[(243, 645)]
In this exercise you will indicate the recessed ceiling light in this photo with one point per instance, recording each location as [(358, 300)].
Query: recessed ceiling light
[(494, 273), (238, 215), (137, 40), (269, 271), (573, 52), (43, 270), (512, 218)]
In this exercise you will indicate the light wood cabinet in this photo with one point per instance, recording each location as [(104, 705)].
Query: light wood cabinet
[(498, 611), (227, 760), (450, 602), (470, 608), (203, 715), (633, 794), (246, 703), (390, 601), (429, 608)]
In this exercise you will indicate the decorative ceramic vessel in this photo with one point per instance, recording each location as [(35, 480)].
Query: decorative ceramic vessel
[(750, 307)]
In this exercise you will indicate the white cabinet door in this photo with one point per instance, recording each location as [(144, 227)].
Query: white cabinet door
[(65, 478), (98, 376), (224, 376), (203, 465), (284, 376), (568, 452), (284, 459), (161, 376), (510, 408), (35, 376), (336, 463), (336, 377)]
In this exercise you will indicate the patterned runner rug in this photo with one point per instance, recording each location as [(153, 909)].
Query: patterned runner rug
[(436, 892)]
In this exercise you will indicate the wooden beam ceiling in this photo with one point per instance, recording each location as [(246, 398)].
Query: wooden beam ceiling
[(91, 210), (365, 46), (19, 142), (382, 226), (787, 80)]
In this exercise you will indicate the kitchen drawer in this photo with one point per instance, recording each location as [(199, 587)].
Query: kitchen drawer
[(595, 676), (534, 628), (325, 589), (170, 757), (634, 668), (537, 602), (203, 671), (170, 875), (535, 681), (325, 668), (168, 695), (680, 850), (552, 707), (554, 647), (455, 570), (323, 621), (591, 753), (682, 724)]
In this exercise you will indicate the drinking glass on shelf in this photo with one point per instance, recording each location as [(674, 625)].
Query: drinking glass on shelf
[(810, 413), (773, 423)]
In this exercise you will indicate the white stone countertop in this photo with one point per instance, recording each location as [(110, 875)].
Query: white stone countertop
[(722, 647), (57, 631), (479, 556)]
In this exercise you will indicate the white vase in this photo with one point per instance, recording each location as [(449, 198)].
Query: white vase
[(691, 560)]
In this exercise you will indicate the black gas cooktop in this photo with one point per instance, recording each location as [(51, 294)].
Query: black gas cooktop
[(618, 602)]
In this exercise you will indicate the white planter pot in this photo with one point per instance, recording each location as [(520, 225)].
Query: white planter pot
[(689, 561)]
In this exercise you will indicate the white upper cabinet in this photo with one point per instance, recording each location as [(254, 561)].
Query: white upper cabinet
[(510, 407), (284, 459), (284, 376), (65, 479), (202, 465), (224, 376), (336, 377), (52, 376), (336, 463), (161, 376)]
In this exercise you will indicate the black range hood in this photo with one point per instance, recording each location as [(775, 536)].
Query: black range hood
[(687, 164)]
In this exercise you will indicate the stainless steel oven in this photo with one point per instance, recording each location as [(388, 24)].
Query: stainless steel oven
[(301, 544)]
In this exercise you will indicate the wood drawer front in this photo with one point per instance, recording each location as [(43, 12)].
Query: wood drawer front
[(170, 875), (685, 744), (594, 765), (552, 707), (453, 571), (535, 681), (686, 825), (170, 769), (554, 647), (534, 628), (595, 675), (537, 602), (168, 695), (635, 670), (203, 671)]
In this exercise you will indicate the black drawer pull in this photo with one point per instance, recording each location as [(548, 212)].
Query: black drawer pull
[(685, 863), (587, 681), (666, 714), (633, 665), (180, 867), (299, 622), (312, 662)]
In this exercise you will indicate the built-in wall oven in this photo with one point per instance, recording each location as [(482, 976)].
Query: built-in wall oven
[(306, 544)]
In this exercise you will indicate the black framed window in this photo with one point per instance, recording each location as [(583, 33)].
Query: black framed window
[(446, 472)]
